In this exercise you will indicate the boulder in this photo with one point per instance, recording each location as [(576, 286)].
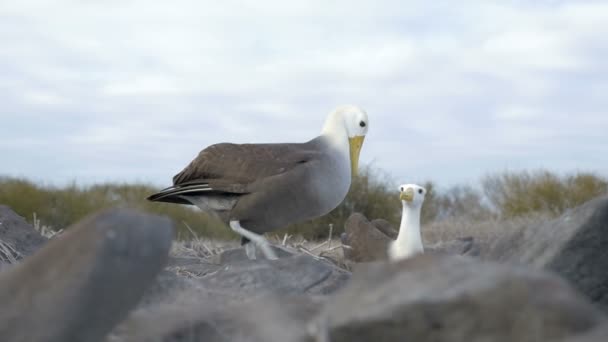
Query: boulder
[(386, 228), (262, 319), (364, 242), (454, 298), (599, 334), (22, 239), (82, 283), (299, 274), (425, 298), (241, 300), (573, 245), (458, 246)]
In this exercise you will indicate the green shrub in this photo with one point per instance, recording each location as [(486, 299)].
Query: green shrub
[(372, 193), (520, 193), (60, 207)]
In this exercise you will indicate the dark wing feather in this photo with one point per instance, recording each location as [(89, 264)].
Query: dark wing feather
[(231, 164), (228, 169), (173, 194)]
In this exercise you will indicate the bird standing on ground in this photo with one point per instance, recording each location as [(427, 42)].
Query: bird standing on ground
[(257, 188), (409, 239)]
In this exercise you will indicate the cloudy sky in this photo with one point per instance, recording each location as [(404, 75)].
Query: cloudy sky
[(110, 90)]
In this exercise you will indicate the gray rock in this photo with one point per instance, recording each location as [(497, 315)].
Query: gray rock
[(363, 241), (459, 246), (166, 287), (241, 300), (294, 275), (81, 284), (386, 228), (442, 298), (599, 334), (574, 246), (20, 235), (263, 319)]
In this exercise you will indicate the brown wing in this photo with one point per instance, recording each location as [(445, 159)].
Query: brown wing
[(229, 165), (228, 169)]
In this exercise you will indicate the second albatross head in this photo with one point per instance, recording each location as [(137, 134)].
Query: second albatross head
[(348, 122), (412, 195)]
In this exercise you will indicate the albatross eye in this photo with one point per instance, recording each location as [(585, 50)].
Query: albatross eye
[(362, 123), (420, 191), (401, 188)]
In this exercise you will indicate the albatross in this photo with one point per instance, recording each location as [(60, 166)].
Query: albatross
[(258, 188), (409, 240)]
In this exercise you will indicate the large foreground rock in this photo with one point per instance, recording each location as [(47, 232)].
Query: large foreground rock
[(82, 283), (261, 319), (235, 300), (426, 298), (237, 281), (599, 334), (439, 298), (18, 234), (575, 246)]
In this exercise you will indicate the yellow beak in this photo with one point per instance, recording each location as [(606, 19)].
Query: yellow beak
[(407, 195), (355, 149)]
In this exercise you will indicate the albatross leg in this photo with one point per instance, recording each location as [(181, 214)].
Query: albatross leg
[(255, 238), (250, 251)]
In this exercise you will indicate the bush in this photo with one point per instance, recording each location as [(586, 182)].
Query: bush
[(372, 193), (60, 207), (518, 194), (460, 201)]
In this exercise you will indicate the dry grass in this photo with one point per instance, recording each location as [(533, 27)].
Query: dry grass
[(197, 248), (44, 230), (8, 253), (485, 232)]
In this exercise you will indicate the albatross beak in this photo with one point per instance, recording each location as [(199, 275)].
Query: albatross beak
[(407, 195), (355, 148)]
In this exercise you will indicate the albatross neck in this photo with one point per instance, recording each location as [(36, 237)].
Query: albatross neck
[(335, 133), (409, 231)]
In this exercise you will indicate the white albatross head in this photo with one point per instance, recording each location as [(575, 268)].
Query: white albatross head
[(412, 195), (350, 124)]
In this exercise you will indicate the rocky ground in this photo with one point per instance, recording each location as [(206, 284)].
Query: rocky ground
[(117, 276)]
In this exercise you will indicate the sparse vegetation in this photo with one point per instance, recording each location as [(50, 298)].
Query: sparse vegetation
[(517, 194), (56, 208), (500, 196)]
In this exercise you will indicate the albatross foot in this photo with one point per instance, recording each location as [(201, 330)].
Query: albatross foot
[(256, 239)]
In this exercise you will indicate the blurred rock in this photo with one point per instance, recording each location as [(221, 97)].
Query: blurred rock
[(15, 231), (300, 274), (386, 228), (459, 246), (82, 283), (262, 319), (244, 300), (599, 334), (443, 298), (573, 245), (363, 241)]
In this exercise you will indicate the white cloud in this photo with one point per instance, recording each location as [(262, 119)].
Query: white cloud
[(477, 85)]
